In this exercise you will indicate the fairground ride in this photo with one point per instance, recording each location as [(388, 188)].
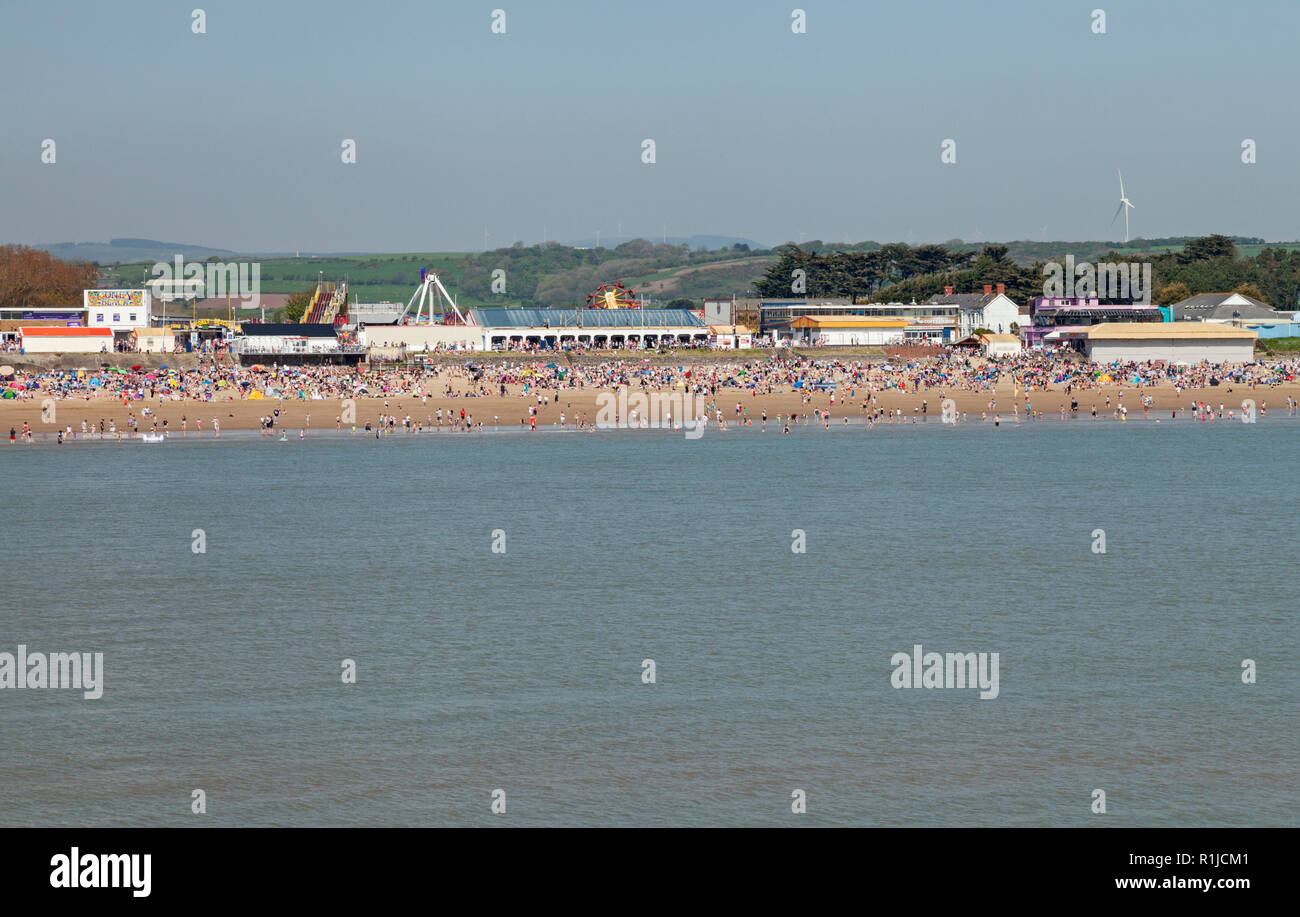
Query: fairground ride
[(612, 296), (431, 293)]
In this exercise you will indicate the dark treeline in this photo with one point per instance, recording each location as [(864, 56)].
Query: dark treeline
[(899, 272), (894, 271)]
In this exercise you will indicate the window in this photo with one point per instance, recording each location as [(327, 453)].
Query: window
[(117, 316), (132, 316), (99, 316)]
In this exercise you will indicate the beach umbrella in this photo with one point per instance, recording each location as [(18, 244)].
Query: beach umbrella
[(6, 372), (136, 368)]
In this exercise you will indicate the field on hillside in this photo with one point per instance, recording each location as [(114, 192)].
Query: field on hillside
[(394, 277), (373, 278)]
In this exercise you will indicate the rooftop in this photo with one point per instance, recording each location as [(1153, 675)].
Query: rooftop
[(288, 329), (812, 321), (55, 331), (585, 318), (1146, 331), (1222, 306)]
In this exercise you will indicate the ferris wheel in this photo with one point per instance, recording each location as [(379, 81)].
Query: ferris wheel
[(612, 296)]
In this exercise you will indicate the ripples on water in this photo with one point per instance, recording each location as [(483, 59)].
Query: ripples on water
[(522, 671)]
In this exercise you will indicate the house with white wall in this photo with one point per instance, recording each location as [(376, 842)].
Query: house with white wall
[(991, 310)]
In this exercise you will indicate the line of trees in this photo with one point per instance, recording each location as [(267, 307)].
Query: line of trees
[(899, 272), (894, 271)]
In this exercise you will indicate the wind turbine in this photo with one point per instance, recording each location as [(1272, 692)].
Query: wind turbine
[(1124, 204)]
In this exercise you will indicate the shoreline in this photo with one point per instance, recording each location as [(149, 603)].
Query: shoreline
[(813, 425), (513, 410)]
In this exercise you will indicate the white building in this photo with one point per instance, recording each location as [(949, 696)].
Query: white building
[(274, 339), (730, 337), (1000, 345), (154, 340), (421, 338), (66, 340), (597, 328), (846, 332), (1173, 342), (374, 313), (991, 310), (121, 311), (1227, 308)]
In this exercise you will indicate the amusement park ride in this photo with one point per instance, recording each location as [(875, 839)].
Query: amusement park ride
[(612, 296), (432, 292), (442, 308)]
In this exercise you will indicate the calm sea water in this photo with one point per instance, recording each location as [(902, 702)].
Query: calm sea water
[(522, 671)]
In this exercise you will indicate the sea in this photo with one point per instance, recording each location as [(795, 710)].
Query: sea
[(636, 628)]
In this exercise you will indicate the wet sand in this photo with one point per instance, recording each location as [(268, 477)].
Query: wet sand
[(510, 410)]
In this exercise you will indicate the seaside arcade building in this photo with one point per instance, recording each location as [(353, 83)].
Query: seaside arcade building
[(598, 328)]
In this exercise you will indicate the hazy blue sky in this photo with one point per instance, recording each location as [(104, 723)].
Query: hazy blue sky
[(232, 138)]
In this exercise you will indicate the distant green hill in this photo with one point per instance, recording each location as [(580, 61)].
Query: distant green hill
[(550, 275), (124, 250)]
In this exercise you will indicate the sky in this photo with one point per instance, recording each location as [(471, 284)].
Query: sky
[(233, 138)]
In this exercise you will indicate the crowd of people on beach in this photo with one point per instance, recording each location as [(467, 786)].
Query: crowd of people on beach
[(1030, 372), (1064, 379)]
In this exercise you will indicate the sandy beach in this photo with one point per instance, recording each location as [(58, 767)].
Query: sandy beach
[(513, 408)]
